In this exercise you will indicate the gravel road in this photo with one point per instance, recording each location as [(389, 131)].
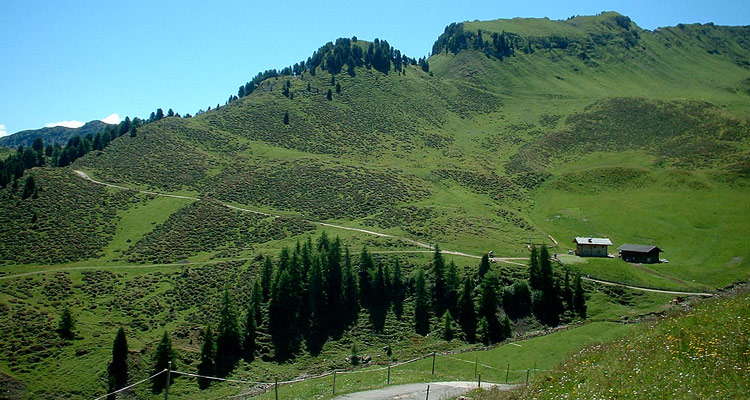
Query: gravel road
[(418, 391)]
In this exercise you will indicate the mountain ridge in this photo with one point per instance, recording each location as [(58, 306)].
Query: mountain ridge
[(52, 135)]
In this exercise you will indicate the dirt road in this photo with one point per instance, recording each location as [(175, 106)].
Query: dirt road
[(418, 391)]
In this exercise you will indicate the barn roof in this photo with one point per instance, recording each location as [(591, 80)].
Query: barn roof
[(593, 240), (638, 248)]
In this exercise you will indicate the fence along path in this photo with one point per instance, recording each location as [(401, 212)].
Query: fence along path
[(260, 387)]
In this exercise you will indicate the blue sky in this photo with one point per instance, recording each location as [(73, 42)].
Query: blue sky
[(85, 60)]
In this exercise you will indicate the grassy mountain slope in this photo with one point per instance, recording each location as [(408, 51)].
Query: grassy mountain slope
[(55, 134), (601, 128), (701, 352)]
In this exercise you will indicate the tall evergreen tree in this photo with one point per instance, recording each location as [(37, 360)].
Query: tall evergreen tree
[(567, 292), (397, 289), (284, 307), (484, 267), (66, 325), (351, 290), (439, 287), (379, 302), (546, 275), (164, 354), (206, 366), (317, 303), (447, 326), (488, 303), (467, 317), (256, 303), (485, 335), (249, 336), (29, 188), (421, 305), (517, 299), (118, 367), (329, 95), (228, 345), (453, 286), (266, 276), (534, 272), (366, 265), (334, 286), (579, 298)]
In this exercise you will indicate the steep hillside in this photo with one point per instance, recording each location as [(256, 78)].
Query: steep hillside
[(56, 134)]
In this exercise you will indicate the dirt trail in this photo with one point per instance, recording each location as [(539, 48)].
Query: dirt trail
[(379, 234), (648, 289), (510, 260)]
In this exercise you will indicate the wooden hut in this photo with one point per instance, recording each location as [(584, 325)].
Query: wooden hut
[(639, 253), (592, 247)]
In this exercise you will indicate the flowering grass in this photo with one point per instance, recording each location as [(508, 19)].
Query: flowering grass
[(702, 352)]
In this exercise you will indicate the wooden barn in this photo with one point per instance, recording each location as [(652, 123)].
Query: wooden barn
[(592, 247), (639, 253)]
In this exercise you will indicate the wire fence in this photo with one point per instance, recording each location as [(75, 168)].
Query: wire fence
[(373, 377)]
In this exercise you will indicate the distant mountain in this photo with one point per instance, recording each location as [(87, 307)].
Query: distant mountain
[(59, 134)]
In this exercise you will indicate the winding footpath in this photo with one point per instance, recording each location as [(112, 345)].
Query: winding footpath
[(347, 228), (509, 260)]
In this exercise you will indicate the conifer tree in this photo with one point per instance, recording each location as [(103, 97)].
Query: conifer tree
[(284, 307), (534, 273), (506, 330), (228, 344), (329, 95), (453, 285), (256, 303), (208, 356), (249, 336), (484, 267), (366, 264), (118, 367), (546, 275), (447, 326), (286, 117), (317, 303), (66, 325), (488, 302), (439, 287), (484, 332), (397, 289), (379, 302), (467, 318), (265, 278), (334, 286), (28, 188), (517, 299), (567, 292), (579, 298), (164, 354), (338, 87), (351, 290), (421, 305)]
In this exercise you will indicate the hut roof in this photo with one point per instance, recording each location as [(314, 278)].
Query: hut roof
[(592, 241), (638, 248)]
